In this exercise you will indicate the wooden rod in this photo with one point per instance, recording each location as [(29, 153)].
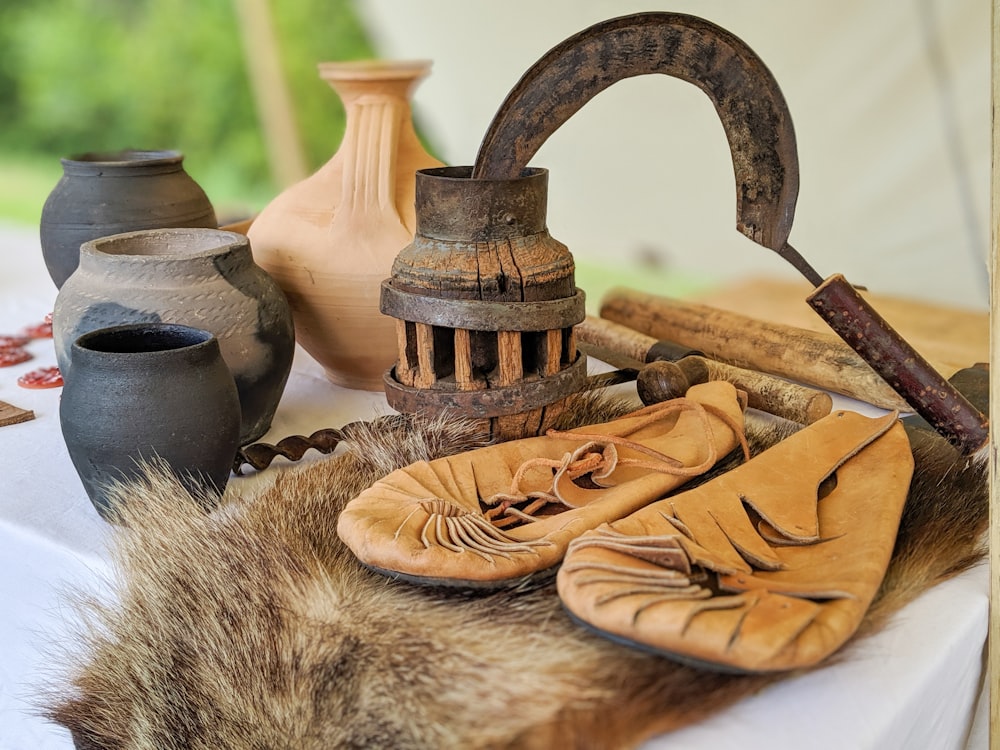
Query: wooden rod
[(426, 376), (616, 337), (463, 359), (553, 351), (509, 354), (663, 380), (765, 392), (271, 94), (404, 367), (672, 369), (816, 359)]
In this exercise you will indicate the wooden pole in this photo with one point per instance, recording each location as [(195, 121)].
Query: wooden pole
[(270, 92), (821, 360), (993, 661)]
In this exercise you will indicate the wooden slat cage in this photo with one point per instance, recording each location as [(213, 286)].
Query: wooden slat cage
[(485, 304)]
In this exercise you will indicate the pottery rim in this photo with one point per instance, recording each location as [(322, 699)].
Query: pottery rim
[(148, 339), (165, 244), (462, 174), (128, 157), (373, 70)]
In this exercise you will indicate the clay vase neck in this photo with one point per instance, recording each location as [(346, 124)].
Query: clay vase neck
[(379, 128), (330, 240)]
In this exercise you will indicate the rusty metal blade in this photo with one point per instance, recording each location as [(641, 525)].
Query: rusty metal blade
[(745, 94)]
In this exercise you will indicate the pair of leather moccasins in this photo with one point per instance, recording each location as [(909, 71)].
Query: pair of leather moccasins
[(770, 566)]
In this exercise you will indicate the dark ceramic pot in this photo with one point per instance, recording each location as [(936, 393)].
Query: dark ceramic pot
[(150, 391), (110, 193), (205, 278)]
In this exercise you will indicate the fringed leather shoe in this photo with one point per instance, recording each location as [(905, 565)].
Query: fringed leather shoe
[(493, 515), (768, 567)]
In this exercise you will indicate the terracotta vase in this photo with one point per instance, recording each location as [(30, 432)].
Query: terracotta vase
[(147, 392), (330, 240), (110, 193), (204, 278)]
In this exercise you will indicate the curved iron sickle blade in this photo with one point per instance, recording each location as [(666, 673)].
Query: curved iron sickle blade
[(761, 139), (745, 94)]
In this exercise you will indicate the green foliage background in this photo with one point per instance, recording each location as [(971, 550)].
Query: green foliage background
[(92, 75)]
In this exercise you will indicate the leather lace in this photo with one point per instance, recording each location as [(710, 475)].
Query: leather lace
[(598, 458)]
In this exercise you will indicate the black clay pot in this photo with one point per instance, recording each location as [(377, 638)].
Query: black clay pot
[(109, 193), (145, 392)]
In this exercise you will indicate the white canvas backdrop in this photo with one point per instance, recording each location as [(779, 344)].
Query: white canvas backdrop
[(891, 105)]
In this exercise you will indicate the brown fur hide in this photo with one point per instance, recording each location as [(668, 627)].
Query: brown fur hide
[(254, 627)]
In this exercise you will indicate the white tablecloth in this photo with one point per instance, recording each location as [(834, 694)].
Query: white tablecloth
[(914, 685)]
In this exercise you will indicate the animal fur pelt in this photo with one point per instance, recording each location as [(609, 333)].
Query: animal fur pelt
[(254, 627)]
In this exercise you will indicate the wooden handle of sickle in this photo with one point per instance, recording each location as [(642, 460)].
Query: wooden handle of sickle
[(909, 374), (816, 359), (661, 380)]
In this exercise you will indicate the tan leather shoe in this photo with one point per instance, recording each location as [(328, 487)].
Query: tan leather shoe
[(768, 567), (498, 513)]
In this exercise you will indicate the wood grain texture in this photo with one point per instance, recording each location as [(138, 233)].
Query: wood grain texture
[(426, 376), (510, 357), (553, 351), (463, 361), (949, 336), (776, 396), (616, 337), (821, 360), (10, 414), (404, 367)]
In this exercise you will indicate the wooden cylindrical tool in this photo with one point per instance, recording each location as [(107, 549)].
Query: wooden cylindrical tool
[(804, 356), (628, 342), (664, 379)]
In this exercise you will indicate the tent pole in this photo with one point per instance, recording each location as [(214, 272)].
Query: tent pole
[(993, 661), (270, 92)]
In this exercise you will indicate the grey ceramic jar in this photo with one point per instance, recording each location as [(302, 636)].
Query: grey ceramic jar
[(114, 192), (146, 392), (204, 278)]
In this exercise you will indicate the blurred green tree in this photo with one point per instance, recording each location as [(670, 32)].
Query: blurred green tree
[(94, 75)]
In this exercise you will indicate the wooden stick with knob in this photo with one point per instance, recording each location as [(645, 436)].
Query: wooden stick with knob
[(671, 369), (821, 360), (662, 380)]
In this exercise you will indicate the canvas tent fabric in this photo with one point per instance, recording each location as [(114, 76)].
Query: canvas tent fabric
[(891, 107)]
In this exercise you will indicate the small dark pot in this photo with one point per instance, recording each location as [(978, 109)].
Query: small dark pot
[(147, 391), (109, 193)]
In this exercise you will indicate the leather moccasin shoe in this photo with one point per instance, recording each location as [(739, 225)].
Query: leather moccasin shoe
[(496, 514), (768, 567)]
